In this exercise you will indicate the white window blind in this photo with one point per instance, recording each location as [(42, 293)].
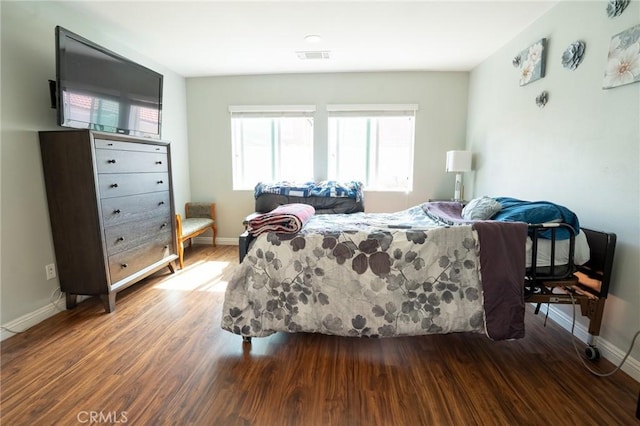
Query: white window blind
[(371, 110), (272, 110)]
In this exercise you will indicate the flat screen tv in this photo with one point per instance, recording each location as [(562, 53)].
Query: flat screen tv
[(100, 90)]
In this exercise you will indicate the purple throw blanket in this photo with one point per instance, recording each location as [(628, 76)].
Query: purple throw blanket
[(287, 218), (502, 268), (447, 212)]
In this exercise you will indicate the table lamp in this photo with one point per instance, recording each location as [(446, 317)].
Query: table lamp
[(458, 162)]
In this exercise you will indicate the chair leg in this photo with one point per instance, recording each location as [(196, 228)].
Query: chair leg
[(213, 230), (181, 253)]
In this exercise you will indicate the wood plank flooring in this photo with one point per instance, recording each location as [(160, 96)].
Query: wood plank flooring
[(162, 358)]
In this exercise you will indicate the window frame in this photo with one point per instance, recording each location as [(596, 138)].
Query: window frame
[(372, 148), (273, 112)]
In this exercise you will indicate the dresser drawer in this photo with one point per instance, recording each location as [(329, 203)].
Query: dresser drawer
[(122, 184), (130, 234), (118, 161), (128, 146), (128, 262), (135, 207)]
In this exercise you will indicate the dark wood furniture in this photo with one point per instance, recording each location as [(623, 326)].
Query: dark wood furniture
[(111, 209)]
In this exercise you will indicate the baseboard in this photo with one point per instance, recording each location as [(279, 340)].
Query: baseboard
[(28, 320), (221, 241), (608, 351)]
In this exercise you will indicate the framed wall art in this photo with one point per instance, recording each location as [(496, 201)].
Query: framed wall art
[(623, 60), (531, 62)]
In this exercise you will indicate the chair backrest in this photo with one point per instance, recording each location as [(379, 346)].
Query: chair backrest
[(197, 209)]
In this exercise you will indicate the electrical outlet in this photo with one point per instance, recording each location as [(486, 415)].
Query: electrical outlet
[(50, 270)]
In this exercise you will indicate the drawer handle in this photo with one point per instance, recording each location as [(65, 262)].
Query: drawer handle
[(124, 265), (120, 239), (164, 225), (117, 211), (111, 161), (109, 144), (114, 185), (161, 203), (158, 162), (159, 182)]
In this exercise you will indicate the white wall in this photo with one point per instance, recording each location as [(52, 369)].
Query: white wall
[(28, 61), (440, 126), (581, 150)]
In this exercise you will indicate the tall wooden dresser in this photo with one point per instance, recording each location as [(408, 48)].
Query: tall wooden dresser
[(111, 208)]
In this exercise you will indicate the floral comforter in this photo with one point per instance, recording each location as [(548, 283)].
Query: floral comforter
[(376, 275)]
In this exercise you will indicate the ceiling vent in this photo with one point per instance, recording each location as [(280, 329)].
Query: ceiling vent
[(313, 54)]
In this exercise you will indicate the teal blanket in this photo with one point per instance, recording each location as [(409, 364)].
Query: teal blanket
[(535, 212)]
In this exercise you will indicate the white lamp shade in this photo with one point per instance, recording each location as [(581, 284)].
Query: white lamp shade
[(458, 161)]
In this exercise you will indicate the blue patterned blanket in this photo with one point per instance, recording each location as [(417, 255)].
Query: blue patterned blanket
[(326, 188)]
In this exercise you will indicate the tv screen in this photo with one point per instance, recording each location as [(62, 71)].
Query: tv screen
[(100, 90)]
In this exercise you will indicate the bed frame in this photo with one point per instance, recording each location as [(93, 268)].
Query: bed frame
[(543, 289), (556, 284)]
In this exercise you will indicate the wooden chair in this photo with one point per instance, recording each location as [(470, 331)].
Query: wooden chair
[(199, 217)]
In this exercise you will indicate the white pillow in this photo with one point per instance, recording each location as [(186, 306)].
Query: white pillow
[(482, 208)]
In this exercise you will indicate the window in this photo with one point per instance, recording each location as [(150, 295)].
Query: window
[(271, 143), (372, 144)]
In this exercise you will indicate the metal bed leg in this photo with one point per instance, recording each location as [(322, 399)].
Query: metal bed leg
[(593, 310), (246, 339)]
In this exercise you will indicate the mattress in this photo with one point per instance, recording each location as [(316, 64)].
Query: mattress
[(580, 255)]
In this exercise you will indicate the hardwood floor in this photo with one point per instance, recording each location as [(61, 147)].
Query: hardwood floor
[(162, 358)]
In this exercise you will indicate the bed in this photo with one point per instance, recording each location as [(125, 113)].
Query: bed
[(428, 269)]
